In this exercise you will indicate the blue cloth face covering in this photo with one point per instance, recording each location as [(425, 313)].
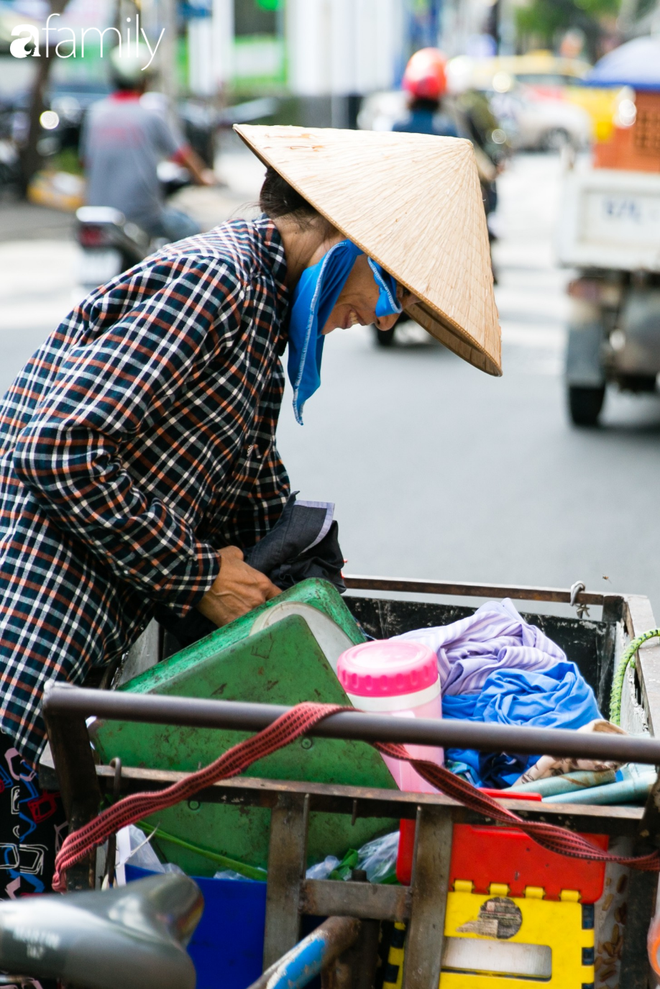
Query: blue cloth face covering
[(315, 296)]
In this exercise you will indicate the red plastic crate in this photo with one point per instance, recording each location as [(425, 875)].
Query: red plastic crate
[(488, 854)]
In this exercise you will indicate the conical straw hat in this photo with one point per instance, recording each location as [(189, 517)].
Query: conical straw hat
[(413, 203)]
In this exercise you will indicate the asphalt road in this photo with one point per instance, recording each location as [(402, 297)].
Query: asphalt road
[(436, 469), (440, 471)]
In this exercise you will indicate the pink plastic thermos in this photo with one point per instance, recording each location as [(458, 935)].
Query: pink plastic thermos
[(394, 676)]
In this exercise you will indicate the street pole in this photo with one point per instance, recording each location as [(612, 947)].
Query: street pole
[(222, 13), (168, 83), (30, 158)]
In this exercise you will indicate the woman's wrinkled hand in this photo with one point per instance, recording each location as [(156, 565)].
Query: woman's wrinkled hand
[(236, 590)]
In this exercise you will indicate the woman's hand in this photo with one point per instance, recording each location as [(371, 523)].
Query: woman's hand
[(237, 589)]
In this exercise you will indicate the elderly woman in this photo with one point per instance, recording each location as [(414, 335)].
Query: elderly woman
[(138, 443)]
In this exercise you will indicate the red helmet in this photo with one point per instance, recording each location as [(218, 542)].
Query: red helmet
[(425, 77)]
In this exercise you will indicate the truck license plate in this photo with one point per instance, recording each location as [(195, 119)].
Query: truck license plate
[(623, 218)]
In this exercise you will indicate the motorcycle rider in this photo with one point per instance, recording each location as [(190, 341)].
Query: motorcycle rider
[(425, 81), (467, 115), (124, 139)]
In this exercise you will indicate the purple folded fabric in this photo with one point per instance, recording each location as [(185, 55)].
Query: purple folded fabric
[(495, 637)]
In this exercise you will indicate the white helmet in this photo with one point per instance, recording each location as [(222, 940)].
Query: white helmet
[(128, 64)]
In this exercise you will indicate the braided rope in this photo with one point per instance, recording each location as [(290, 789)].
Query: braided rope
[(628, 658), (287, 728)]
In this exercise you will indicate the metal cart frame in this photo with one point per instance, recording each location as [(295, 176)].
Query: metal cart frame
[(422, 904)]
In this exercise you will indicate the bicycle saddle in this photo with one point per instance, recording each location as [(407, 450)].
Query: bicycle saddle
[(132, 937)]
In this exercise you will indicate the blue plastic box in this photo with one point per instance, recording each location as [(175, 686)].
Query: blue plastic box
[(227, 947)]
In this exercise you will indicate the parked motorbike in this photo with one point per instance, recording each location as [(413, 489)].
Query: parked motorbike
[(109, 243)]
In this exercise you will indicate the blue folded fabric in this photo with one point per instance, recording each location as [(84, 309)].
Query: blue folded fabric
[(557, 697)]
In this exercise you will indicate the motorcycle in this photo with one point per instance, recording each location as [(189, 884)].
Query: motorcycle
[(109, 243)]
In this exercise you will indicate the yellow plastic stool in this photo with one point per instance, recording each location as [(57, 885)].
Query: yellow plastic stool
[(556, 940), (394, 969)]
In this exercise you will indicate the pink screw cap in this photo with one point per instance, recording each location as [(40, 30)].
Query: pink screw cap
[(387, 668)]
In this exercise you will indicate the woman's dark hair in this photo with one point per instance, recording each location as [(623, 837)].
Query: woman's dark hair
[(278, 198)]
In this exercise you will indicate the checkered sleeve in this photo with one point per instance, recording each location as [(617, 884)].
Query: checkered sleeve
[(70, 454), (258, 511), (266, 487)]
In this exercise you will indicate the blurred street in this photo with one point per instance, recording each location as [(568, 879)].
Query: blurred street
[(437, 470), (477, 478)]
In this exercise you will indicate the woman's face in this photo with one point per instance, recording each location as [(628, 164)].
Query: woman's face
[(357, 301)]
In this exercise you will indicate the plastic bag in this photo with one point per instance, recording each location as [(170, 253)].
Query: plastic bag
[(322, 870), (231, 874), (143, 855), (378, 858), (346, 866)]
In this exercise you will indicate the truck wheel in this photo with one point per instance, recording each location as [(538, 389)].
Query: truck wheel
[(384, 338), (585, 404)]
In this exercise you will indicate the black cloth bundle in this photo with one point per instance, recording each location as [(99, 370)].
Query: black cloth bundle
[(304, 543)]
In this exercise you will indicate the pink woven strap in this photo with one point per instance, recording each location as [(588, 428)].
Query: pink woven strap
[(286, 729), (551, 836)]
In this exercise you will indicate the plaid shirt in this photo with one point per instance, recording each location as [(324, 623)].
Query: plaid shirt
[(138, 440)]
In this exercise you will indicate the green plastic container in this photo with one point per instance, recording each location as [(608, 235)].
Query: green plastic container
[(285, 662)]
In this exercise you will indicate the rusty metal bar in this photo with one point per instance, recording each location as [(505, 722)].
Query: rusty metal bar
[(248, 791), (287, 858), (320, 897), (430, 885), (642, 892), (639, 618), (63, 699), (362, 958), (305, 960), (79, 785), (355, 582)]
